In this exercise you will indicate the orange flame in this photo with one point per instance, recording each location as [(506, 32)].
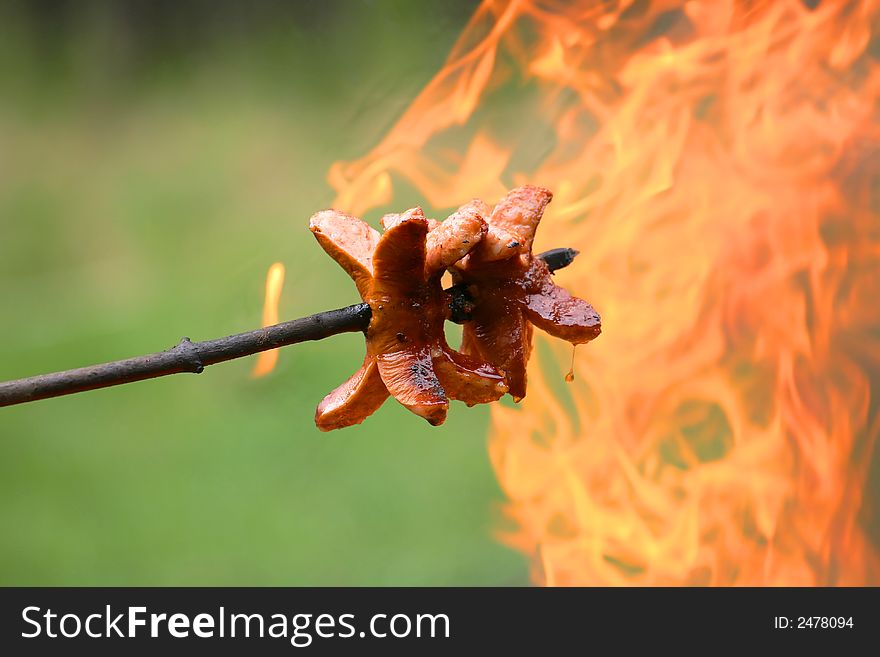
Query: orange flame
[(266, 360), (717, 164)]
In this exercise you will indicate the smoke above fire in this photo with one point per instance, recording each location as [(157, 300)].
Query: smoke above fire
[(717, 165)]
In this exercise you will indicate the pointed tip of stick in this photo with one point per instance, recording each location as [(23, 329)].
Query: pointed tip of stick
[(559, 258)]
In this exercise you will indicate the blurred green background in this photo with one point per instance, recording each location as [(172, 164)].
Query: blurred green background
[(155, 158)]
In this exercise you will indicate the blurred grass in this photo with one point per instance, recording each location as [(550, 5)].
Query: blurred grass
[(141, 199)]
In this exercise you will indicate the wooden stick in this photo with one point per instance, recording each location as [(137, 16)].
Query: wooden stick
[(194, 357)]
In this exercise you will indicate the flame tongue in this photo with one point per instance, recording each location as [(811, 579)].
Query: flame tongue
[(718, 162), (266, 360)]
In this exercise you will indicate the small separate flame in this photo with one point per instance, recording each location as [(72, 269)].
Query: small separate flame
[(717, 163), (266, 360)]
